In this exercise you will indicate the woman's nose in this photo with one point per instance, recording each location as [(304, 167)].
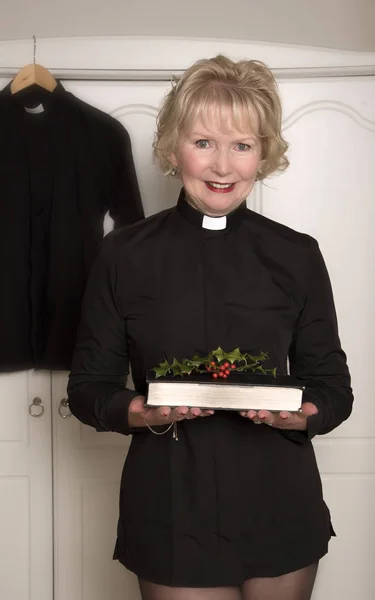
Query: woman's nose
[(221, 163)]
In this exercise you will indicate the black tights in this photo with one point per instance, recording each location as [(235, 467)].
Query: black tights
[(292, 586)]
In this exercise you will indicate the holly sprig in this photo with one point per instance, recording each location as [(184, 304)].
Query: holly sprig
[(218, 363)]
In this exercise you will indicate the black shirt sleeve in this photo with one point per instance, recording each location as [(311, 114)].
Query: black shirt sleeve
[(97, 390), (125, 204), (316, 357)]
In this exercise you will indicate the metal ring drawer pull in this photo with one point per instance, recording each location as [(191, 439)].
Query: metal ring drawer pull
[(36, 408), (63, 409)]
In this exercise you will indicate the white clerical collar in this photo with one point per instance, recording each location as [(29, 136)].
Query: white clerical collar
[(36, 110), (214, 223)]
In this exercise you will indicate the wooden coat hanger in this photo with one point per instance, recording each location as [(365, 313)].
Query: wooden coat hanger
[(33, 74)]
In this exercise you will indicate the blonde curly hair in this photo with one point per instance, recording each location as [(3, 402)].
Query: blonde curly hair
[(246, 87)]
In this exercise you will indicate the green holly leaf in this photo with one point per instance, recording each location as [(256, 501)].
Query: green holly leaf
[(185, 369), (218, 354), (197, 360), (255, 359), (241, 368), (176, 367), (232, 357), (272, 371), (159, 372), (162, 369)]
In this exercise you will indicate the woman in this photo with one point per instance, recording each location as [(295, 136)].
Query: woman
[(234, 509)]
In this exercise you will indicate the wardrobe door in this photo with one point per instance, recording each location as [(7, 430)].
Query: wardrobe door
[(328, 192), (87, 470), (87, 464), (26, 565)]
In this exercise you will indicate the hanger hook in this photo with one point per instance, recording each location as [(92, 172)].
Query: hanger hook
[(34, 38)]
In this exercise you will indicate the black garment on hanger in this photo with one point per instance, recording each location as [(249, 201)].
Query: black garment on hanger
[(61, 170)]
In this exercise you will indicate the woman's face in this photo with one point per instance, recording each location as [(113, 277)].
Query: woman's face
[(218, 167)]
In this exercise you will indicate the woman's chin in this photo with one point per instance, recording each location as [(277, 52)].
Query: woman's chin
[(223, 205)]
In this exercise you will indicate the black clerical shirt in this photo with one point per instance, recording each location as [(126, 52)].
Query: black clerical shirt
[(63, 165), (167, 287)]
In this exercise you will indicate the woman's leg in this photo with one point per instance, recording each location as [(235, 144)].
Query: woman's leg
[(292, 586), (154, 591)]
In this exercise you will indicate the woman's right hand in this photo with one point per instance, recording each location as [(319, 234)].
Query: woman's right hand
[(139, 412)]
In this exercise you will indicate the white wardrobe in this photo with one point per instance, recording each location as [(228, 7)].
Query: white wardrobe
[(59, 480)]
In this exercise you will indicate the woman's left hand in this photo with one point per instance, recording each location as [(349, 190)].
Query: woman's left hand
[(283, 419)]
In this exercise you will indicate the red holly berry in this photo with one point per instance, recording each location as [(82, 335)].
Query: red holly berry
[(215, 375), (226, 365), (227, 372), (233, 366), (222, 368), (221, 374), (212, 363), (208, 368), (225, 376)]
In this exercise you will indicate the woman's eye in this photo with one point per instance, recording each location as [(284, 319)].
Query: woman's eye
[(202, 144), (243, 147)]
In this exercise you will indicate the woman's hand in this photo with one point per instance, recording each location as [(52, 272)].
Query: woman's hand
[(283, 419), (139, 412)]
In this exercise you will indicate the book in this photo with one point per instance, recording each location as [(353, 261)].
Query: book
[(241, 391)]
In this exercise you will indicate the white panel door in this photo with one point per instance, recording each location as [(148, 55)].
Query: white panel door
[(87, 470), (327, 192), (26, 543), (88, 465), (25, 487)]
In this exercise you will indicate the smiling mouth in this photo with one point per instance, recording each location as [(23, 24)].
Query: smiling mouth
[(220, 187)]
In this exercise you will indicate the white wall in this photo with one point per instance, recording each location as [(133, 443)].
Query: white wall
[(343, 24)]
